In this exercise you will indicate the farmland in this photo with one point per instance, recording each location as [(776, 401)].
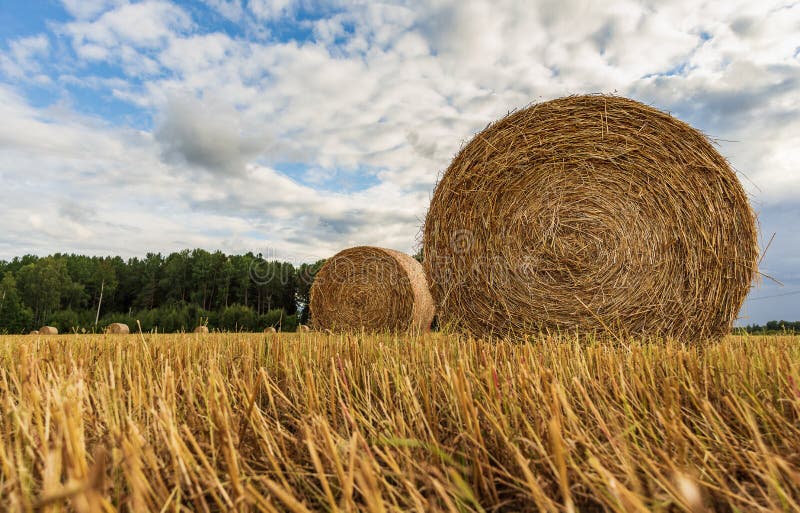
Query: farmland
[(299, 422)]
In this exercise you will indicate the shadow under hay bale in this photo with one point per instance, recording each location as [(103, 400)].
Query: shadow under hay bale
[(594, 214), (118, 328), (371, 288)]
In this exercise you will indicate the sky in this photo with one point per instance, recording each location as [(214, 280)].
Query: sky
[(296, 128)]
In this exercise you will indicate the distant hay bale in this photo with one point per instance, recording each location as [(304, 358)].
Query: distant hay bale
[(48, 330), (201, 329), (302, 328), (371, 288), (34, 332), (118, 328), (270, 329), (590, 214)]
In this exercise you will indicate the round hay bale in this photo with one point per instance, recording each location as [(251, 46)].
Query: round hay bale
[(270, 329), (371, 288), (201, 329), (34, 332), (302, 328), (118, 328), (48, 330), (590, 214)]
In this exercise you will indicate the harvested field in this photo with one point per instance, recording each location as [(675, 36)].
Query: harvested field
[(299, 422)]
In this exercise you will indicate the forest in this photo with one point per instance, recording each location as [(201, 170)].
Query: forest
[(771, 328), (176, 292)]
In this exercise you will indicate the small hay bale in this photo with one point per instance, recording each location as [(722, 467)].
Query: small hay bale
[(270, 329), (48, 330), (302, 328), (34, 332), (118, 328), (371, 288), (590, 214), (201, 329)]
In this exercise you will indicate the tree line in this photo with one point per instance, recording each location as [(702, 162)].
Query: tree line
[(770, 328), (166, 293)]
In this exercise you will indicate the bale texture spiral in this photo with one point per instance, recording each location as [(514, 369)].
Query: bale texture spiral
[(590, 214), (372, 288)]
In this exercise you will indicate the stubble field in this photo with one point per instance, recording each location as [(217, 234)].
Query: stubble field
[(311, 422)]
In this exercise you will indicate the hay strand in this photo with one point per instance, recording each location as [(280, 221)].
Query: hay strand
[(371, 288), (594, 214)]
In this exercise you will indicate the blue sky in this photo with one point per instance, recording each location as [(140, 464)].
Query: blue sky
[(298, 127)]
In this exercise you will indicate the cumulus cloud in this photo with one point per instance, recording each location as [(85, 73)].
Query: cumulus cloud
[(87, 9), (24, 56), (230, 9), (268, 9), (207, 134), (119, 35)]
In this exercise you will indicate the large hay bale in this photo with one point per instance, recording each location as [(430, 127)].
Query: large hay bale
[(118, 328), (48, 330), (270, 329), (590, 214), (34, 332), (371, 288), (201, 329)]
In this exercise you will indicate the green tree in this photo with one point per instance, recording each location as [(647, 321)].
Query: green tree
[(14, 316), (42, 285), (305, 278), (149, 271), (175, 277)]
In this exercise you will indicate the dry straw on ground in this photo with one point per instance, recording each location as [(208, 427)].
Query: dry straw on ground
[(590, 214), (371, 288), (118, 328), (48, 330), (201, 329), (234, 422)]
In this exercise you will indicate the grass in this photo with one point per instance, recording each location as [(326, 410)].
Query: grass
[(247, 422)]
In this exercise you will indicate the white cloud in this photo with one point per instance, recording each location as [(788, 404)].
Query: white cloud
[(24, 56), (148, 24), (230, 9), (86, 9), (268, 9)]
